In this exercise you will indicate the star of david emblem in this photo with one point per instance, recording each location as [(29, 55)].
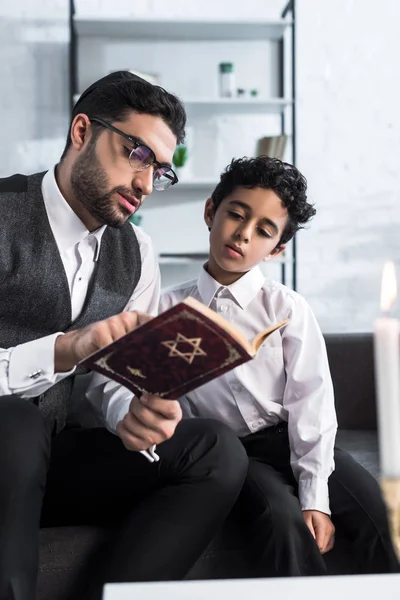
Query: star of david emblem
[(187, 356)]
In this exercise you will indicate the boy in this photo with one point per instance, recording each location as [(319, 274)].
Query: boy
[(280, 404)]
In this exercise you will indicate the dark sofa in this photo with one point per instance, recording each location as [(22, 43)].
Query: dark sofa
[(65, 551)]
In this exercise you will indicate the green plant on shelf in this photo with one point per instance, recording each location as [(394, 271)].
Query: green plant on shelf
[(136, 219), (180, 156)]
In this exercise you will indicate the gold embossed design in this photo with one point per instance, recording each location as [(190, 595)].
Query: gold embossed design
[(173, 392), (136, 372), (187, 356), (102, 362)]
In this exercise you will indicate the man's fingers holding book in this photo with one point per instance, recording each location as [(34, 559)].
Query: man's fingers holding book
[(79, 344), (129, 439), (143, 427), (141, 318), (167, 408), (155, 413)]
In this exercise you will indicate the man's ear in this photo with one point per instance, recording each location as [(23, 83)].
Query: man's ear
[(209, 213), (275, 252), (80, 130)]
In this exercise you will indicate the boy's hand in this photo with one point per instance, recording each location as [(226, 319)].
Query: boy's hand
[(150, 421), (80, 343), (321, 528)]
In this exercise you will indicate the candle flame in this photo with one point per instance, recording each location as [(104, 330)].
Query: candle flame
[(389, 286)]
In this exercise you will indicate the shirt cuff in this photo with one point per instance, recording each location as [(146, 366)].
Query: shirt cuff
[(31, 367), (314, 495), (117, 411)]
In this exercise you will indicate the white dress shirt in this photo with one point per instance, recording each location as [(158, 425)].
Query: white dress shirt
[(79, 250), (288, 380)]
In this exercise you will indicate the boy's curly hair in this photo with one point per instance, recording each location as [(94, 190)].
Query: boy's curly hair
[(272, 174)]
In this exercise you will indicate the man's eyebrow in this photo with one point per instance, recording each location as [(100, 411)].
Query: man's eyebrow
[(265, 220)]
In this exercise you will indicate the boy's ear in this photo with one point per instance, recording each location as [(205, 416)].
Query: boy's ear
[(209, 213), (275, 252)]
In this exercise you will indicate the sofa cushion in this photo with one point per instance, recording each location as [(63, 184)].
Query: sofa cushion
[(363, 446), (351, 361)]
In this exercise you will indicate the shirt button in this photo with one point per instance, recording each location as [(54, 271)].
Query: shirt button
[(237, 387), (223, 308), (253, 426)]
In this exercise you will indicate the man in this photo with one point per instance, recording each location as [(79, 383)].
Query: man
[(77, 275)]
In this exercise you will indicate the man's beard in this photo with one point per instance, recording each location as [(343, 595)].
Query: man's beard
[(89, 184)]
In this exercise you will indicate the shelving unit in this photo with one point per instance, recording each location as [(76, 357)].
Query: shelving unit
[(175, 260), (194, 257), (179, 29), (232, 105), (281, 105)]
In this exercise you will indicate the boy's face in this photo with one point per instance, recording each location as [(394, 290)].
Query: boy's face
[(245, 230)]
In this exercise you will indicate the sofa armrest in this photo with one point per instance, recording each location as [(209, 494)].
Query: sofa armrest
[(351, 360)]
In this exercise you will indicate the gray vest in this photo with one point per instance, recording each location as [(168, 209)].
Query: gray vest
[(34, 293)]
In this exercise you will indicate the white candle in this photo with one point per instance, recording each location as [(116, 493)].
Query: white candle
[(387, 375)]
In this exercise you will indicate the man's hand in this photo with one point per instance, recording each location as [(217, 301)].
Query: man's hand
[(150, 420), (77, 345), (322, 529)]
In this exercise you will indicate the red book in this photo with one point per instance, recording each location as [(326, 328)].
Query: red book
[(176, 352)]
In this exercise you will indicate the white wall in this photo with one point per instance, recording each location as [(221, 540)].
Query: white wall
[(348, 132), (34, 38), (190, 69)]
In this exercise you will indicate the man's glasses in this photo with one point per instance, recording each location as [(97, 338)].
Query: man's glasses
[(142, 157)]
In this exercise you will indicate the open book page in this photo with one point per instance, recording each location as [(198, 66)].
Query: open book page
[(252, 346), (260, 338)]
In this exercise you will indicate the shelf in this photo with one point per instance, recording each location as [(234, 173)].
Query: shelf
[(181, 193), (172, 259), (181, 258), (183, 30), (231, 105), (236, 105), (193, 185)]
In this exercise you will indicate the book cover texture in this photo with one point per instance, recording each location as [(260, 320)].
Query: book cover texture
[(170, 355)]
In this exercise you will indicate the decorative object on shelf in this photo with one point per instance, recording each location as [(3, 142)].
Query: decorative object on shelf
[(387, 373), (179, 160), (136, 219), (226, 80), (242, 93), (273, 146)]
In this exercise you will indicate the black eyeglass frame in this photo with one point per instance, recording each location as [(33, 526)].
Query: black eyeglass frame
[(136, 144)]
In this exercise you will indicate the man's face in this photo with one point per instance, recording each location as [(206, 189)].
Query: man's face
[(101, 176), (245, 230)]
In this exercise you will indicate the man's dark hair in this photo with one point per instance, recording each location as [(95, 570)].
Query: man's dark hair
[(113, 97), (272, 174)]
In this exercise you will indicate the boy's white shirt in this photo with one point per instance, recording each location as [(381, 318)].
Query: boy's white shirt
[(288, 380)]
